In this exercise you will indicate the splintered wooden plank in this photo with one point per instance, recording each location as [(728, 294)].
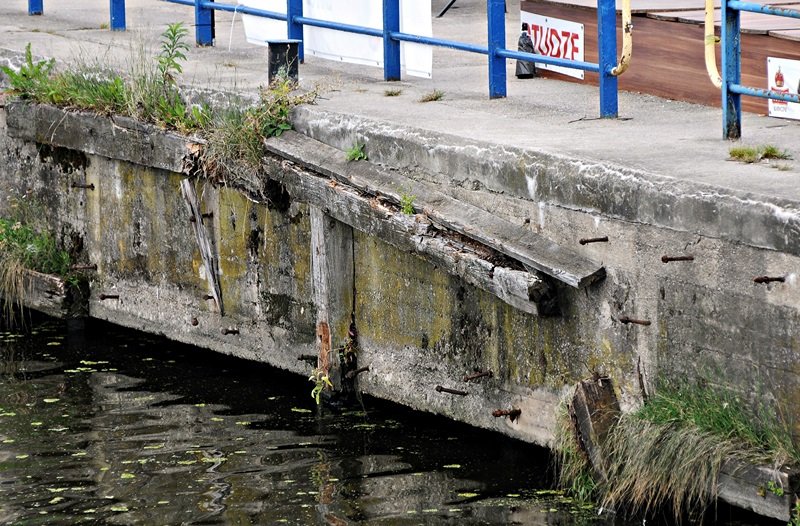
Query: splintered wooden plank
[(766, 490), (51, 295), (515, 241)]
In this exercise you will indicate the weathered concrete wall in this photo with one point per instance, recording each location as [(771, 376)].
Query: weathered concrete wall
[(419, 326)]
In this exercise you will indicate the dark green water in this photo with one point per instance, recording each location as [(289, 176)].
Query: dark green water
[(109, 426)]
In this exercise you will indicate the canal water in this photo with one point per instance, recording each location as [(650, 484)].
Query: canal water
[(102, 425)]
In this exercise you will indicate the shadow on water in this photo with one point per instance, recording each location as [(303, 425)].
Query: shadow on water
[(110, 426)]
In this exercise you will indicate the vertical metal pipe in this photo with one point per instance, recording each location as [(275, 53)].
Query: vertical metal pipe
[(117, 10), (391, 48), (495, 11), (607, 59), (35, 7), (204, 24), (294, 30), (731, 72)]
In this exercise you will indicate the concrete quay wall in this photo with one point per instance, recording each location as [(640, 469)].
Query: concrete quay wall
[(422, 324)]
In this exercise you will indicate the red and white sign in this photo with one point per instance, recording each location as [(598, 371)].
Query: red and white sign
[(557, 38), (783, 76)]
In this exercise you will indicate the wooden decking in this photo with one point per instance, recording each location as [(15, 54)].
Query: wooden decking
[(668, 38)]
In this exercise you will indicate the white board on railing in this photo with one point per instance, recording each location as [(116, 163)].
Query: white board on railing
[(415, 19), (553, 37), (783, 75)]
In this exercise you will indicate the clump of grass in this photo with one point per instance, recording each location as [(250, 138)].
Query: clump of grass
[(670, 452), (432, 96), (754, 154), (393, 92), (356, 153), (407, 203), (23, 248)]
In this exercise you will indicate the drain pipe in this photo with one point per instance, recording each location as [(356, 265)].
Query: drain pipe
[(710, 41), (627, 40)]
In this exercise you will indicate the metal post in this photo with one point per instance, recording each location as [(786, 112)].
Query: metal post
[(204, 24), (607, 57), (117, 15), (731, 72), (35, 7), (294, 30), (495, 10), (391, 48)]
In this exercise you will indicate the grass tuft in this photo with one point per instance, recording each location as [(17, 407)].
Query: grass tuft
[(393, 92), (432, 96), (754, 154), (356, 153)]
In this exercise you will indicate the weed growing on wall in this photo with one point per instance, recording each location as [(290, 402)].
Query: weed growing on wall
[(670, 452)]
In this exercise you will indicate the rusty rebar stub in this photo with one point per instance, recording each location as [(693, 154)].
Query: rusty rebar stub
[(512, 414), (104, 297), (353, 374), (195, 322), (89, 186), (477, 375), (440, 389)]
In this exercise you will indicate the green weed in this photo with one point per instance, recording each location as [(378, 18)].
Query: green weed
[(754, 154), (407, 204), (393, 92), (356, 153), (32, 78), (321, 382)]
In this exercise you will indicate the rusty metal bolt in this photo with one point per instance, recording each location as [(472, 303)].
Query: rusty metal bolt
[(109, 297), (93, 266), (769, 279), (667, 259), (440, 389), (477, 375), (513, 414), (89, 186), (230, 330), (626, 320), (195, 322), (353, 374), (587, 240)]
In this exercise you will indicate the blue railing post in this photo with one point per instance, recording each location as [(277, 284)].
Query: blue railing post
[(607, 57), (731, 72), (117, 15), (35, 7), (294, 29), (496, 13), (391, 47), (203, 24)]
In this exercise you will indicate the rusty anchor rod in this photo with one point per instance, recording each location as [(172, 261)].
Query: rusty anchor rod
[(667, 259), (477, 375), (769, 279), (440, 389), (587, 240), (89, 186), (353, 374), (108, 297), (513, 414)]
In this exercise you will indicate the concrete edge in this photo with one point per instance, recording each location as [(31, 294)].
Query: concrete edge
[(600, 188)]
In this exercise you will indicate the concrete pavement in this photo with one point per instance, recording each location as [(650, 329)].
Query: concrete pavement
[(656, 136)]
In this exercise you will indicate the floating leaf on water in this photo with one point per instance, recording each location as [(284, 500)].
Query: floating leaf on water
[(240, 452), (209, 460), (119, 509), (187, 462), (56, 490), (55, 500), (300, 410), (243, 423), (9, 441), (90, 510), (333, 479), (199, 405), (36, 424), (79, 454), (430, 510), (50, 400), (272, 398), (412, 512), (468, 495), (454, 510), (104, 468), (452, 466), (127, 476), (154, 446), (22, 457), (217, 419), (513, 495), (50, 344), (58, 429), (127, 461), (9, 413), (162, 502), (552, 510)]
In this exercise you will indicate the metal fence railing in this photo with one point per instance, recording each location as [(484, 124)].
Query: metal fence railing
[(495, 50), (732, 90)]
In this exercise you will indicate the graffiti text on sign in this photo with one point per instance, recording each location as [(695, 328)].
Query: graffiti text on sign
[(551, 42)]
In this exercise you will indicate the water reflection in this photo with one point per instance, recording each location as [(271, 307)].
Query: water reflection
[(115, 427)]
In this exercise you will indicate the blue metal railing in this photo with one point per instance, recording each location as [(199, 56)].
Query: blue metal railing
[(392, 37), (732, 90)]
